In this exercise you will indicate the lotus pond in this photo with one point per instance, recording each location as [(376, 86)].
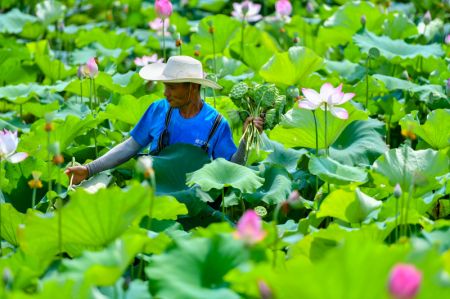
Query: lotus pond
[(344, 195)]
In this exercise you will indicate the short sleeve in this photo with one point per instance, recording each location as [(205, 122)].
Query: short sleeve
[(141, 133), (224, 146)]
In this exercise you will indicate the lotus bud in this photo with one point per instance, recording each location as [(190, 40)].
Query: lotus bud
[(447, 39), (80, 72), (397, 191), (264, 290), (427, 17), (163, 8), (283, 7), (249, 228), (91, 68), (404, 281), (405, 75), (363, 21), (292, 92), (7, 277)]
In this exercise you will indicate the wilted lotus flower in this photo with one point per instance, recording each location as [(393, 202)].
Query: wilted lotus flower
[(8, 146), (404, 281), (91, 68), (249, 228), (328, 95), (283, 8), (157, 25), (247, 10), (144, 60), (163, 8)]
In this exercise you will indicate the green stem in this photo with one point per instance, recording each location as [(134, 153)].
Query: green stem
[(396, 219), (81, 91), (1, 204), (402, 205), (388, 131), (164, 39), (214, 65), (275, 229), (367, 82), (90, 95), (242, 38), (96, 100), (408, 200), (49, 163), (317, 145), (223, 204), (33, 202), (326, 125)]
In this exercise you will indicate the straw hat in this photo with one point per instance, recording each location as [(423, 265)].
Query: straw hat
[(178, 69)]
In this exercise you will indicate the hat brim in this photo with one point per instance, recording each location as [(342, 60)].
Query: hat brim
[(154, 72)]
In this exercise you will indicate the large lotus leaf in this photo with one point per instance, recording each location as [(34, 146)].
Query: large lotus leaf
[(399, 26), (53, 68), (334, 172), (103, 268), (361, 143), (173, 163), (195, 268), (119, 83), (23, 92), (136, 289), (276, 188), (129, 109), (435, 131), (298, 128), (14, 21), (50, 11), (345, 22), (65, 132), (10, 221), (288, 158), (392, 83), (225, 28), (25, 268), (421, 167), (221, 173), (13, 72), (395, 49), (167, 208), (88, 221), (349, 206), (291, 67), (108, 39), (346, 69)]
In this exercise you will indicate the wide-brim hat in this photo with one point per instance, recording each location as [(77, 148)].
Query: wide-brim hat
[(178, 69)]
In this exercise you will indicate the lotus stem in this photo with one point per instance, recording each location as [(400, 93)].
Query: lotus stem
[(275, 240), (402, 204), (33, 201), (214, 64), (1, 205), (326, 125), (49, 163), (242, 39), (81, 91), (164, 38), (367, 82), (317, 145)]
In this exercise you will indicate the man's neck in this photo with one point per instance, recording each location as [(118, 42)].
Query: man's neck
[(192, 108)]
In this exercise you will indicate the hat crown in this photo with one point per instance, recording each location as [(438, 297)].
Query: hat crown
[(183, 67)]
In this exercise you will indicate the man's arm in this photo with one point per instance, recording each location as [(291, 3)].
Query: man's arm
[(116, 156)]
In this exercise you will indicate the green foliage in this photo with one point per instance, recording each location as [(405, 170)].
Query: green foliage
[(334, 172)]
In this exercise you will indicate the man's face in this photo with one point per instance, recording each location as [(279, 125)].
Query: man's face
[(177, 94)]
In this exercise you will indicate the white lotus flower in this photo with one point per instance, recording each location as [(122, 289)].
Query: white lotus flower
[(247, 10), (328, 95), (8, 146)]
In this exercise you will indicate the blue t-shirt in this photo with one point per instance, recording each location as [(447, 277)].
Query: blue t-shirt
[(193, 130)]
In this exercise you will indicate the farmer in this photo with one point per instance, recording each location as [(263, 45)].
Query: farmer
[(182, 117)]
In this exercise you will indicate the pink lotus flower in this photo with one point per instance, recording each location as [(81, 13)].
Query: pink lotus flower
[(91, 68), (404, 281), (163, 8), (249, 228), (283, 8), (328, 95), (157, 25), (8, 146), (144, 60), (247, 10), (447, 39)]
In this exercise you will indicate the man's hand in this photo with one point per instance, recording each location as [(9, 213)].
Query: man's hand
[(79, 173), (258, 122)]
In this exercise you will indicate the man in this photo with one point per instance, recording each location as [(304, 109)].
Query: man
[(182, 117)]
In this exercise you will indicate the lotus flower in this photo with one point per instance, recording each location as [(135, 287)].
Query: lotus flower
[(404, 281), (328, 95), (90, 69), (283, 8), (247, 10), (163, 8), (144, 60), (157, 25), (249, 228), (8, 146)]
